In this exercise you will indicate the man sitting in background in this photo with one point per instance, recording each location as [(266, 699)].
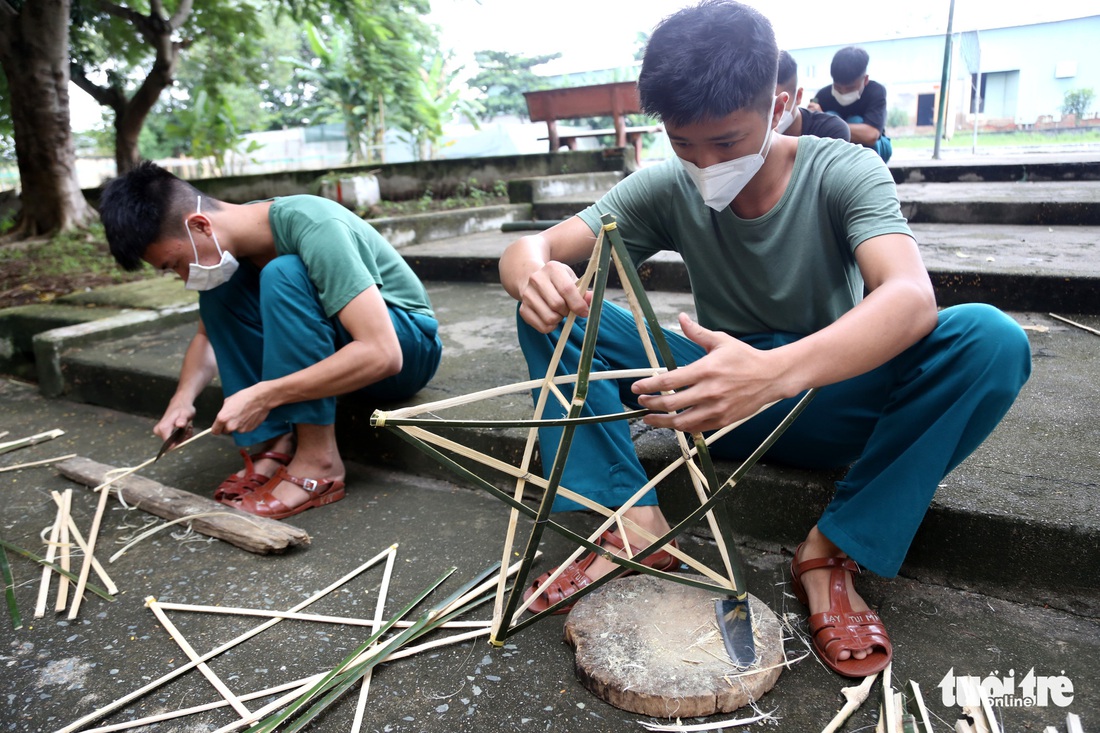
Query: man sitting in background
[(857, 100)]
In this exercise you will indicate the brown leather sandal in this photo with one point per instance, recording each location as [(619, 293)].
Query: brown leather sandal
[(841, 628), (262, 502), (573, 578), (233, 488)]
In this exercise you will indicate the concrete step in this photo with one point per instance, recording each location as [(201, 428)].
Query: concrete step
[(1017, 519), (1045, 203), (1012, 267)]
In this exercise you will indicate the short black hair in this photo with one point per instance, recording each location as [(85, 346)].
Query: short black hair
[(141, 206), (788, 70), (706, 61), (849, 63)]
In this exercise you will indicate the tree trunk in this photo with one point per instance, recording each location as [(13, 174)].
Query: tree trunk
[(34, 54)]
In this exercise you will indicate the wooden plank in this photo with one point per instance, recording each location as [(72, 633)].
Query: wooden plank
[(598, 100), (256, 534)]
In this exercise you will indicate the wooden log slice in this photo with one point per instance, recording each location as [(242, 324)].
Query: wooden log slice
[(653, 647)]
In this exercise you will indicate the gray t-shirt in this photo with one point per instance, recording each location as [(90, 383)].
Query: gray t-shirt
[(343, 254), (792, 269)]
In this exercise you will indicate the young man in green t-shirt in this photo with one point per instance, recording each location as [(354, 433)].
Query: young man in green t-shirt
[(781, 237), (300, 301)]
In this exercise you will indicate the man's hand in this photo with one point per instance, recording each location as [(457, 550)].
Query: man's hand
[(242, 412), (550, 295), (730, 383), (176, 416)]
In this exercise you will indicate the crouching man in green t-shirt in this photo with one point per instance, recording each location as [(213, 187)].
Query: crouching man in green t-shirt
[(781, 236), (300, 301)]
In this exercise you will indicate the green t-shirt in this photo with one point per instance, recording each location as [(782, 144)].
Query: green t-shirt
[(343, 254), (792, 269)]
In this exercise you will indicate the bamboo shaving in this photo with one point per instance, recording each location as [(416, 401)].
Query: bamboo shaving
[(159, 527), (714, 725)]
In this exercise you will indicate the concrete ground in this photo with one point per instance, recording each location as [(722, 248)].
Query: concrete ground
[(57, 671)]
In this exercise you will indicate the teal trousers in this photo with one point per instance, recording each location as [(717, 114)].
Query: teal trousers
[(899, 428), (265, 324)]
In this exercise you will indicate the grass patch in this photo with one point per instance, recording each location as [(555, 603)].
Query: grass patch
[(467, 195), (36, 271), (963, 138)]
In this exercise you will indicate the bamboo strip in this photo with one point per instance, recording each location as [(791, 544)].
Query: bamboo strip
[(43, 462), (51, 553), (74, 532), (205, 707), (382, 418), (312, 617), (1074, 323), (99, 713), (65, 561), (379, 609), (232, 699), (93, 534)]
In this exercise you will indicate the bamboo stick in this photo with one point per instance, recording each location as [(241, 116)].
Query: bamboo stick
[(383, 418), (74, 532), (232, 699), (315, 618), (65, 562), (99, 713), (379, 609), (29, 441), (51, 553), (43, 462), (1074, 323)]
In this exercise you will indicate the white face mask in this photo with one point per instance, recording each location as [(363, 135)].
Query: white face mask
[(786, 119), (207, 277), (720, 183), (848, 98)]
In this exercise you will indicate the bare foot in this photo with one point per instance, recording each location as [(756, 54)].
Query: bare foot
[(817, 581)]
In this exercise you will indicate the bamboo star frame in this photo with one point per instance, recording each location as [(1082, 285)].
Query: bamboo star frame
[(410, 424)]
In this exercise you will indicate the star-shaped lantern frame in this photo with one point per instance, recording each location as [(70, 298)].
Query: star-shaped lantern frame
[(416, 424)]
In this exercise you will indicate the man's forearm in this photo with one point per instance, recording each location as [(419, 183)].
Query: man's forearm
[(864, 134)]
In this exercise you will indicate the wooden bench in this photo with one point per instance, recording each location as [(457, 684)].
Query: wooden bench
[(617, 100)]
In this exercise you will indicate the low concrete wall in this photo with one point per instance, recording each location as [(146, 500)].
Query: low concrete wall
[(402, 181)]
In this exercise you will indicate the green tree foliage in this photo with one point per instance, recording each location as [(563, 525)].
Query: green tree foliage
[(1076, 102), (125, 54), (503, 79), (439, 101), (365, 71)]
